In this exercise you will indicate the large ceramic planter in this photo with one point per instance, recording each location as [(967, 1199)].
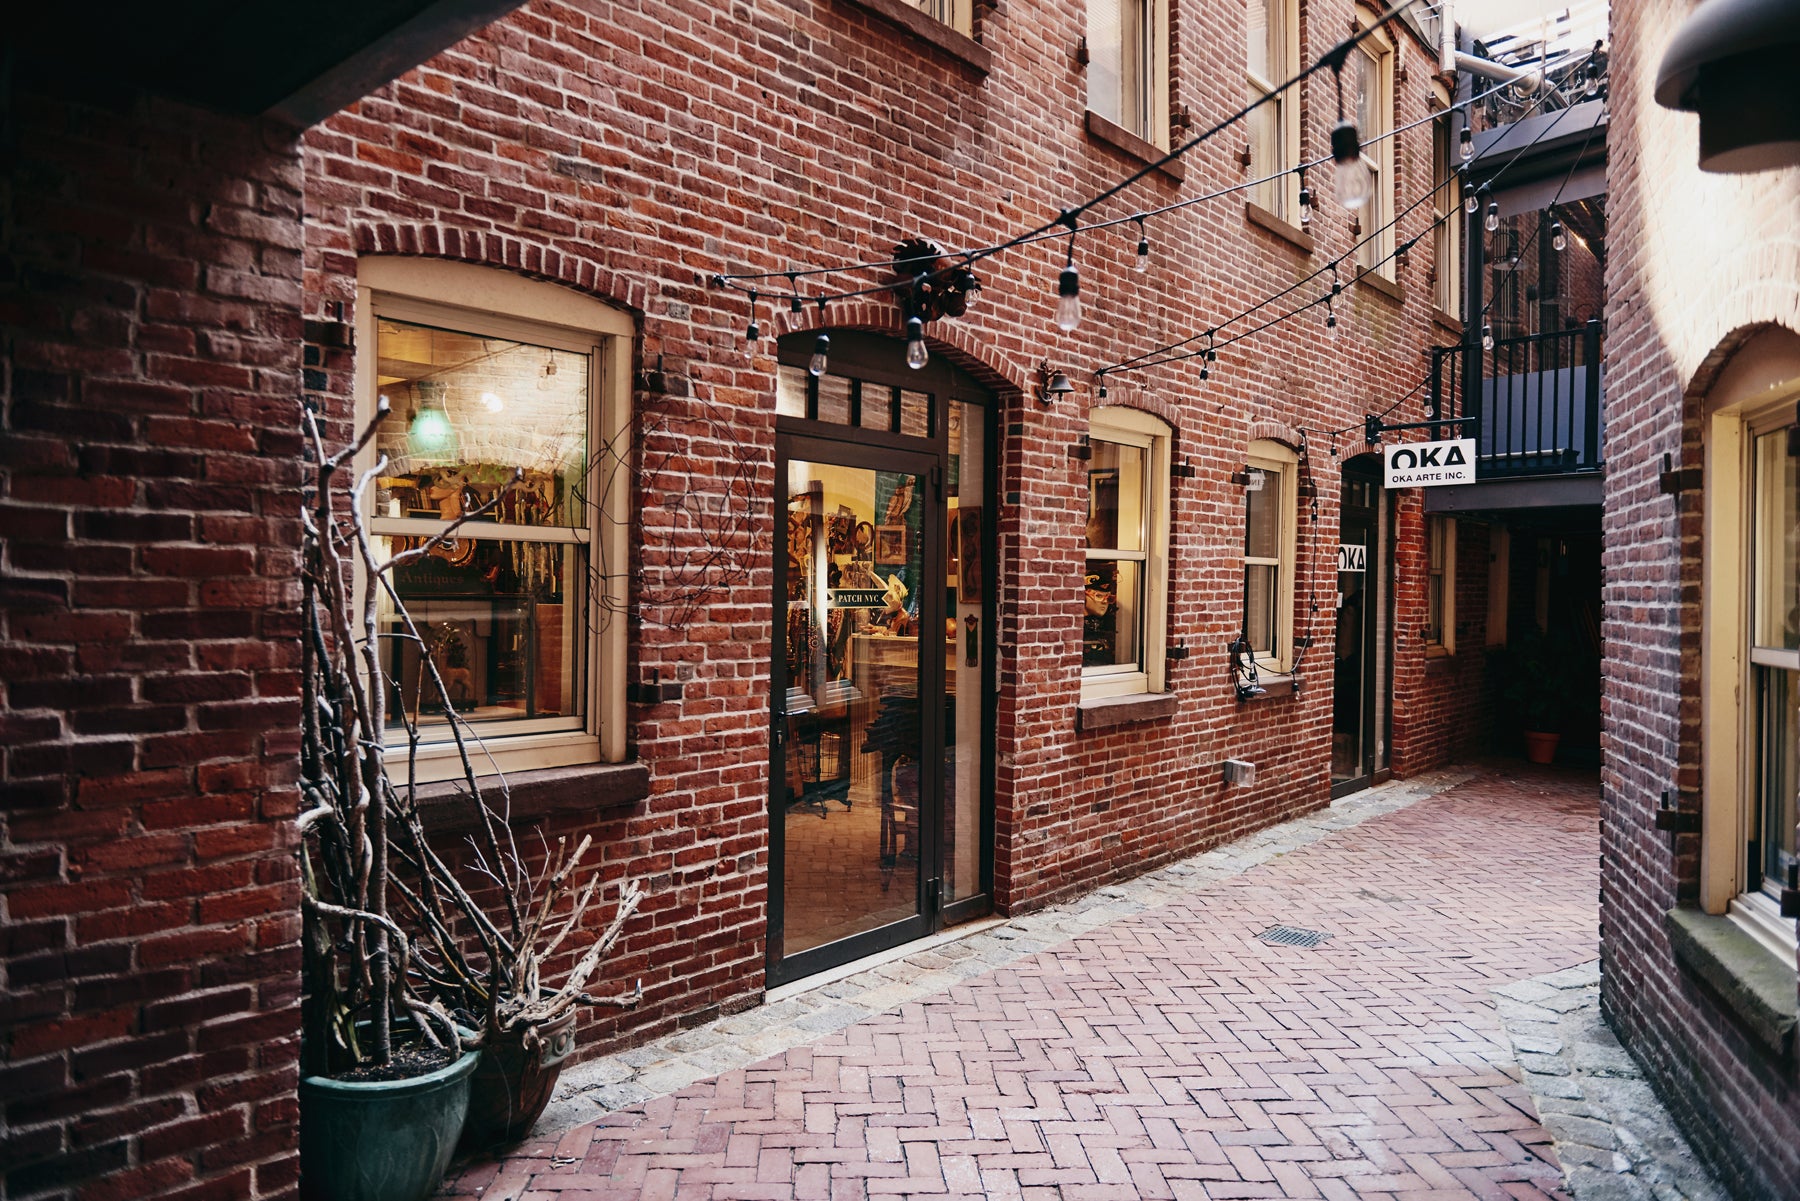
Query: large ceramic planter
[(514, 1080), (388, 1140), (1540, 747)]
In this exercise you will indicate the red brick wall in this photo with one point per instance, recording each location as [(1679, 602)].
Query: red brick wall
[(1442, 706), (633, 150), (148, 520), (1693, 267)]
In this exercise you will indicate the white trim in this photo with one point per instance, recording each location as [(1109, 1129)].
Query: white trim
[(1760, 917), (480, 299), (1281, 462), (1133, 427)]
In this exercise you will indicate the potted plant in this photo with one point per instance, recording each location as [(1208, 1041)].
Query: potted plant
[(1537, 680), (408, 979)]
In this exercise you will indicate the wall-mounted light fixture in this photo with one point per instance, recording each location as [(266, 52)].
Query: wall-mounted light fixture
[(1053, 385), (1732, 61)]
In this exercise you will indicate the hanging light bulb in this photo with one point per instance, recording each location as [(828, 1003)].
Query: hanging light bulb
[(1351, 175), (1100, 379), (1558, 239), (754, 331), (916, 354), (1306, 206), (1591, 85), (1331, 322), (1487, 337), (1466, 141), (1068, 295), (431, 434), (1492, 222), (493, 401), (1143, 251), (821, 348), (1471, 201)]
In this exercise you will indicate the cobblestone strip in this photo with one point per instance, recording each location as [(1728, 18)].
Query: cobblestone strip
[(669, 1064), (1615, 1140)]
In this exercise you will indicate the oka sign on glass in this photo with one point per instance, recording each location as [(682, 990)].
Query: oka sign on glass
[(1428, 464)]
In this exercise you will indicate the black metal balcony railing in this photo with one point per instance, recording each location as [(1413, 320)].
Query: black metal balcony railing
[(1536, 401)]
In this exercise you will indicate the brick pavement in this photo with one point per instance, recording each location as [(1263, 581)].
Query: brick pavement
[(1170, 1054)]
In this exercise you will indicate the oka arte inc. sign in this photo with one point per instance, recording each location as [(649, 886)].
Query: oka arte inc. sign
[(1429, 464)]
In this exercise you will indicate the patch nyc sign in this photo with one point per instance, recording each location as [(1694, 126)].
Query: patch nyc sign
[(1429, 464)]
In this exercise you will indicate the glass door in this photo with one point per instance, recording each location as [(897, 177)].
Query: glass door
[(861, 708), (1353, 726)]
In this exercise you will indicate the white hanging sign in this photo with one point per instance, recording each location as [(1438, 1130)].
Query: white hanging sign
[(1353, 557), (1430, 464)]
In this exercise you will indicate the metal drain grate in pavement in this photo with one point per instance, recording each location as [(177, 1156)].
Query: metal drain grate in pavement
[(1292, 936)]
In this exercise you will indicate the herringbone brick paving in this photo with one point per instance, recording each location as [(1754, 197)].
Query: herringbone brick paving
[(1170, 1054)]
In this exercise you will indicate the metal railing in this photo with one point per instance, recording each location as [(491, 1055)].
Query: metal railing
[(1536, 401)]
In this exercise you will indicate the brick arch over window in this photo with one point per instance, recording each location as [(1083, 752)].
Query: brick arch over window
[(507, 251), (959, 343), (1275, 431)]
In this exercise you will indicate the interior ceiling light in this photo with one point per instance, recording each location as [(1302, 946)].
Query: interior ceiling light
[(1732, 61)]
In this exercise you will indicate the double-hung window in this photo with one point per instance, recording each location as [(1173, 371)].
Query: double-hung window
[(507, 404), (1128, 66), (1125, 590), (1271, 56), (956, 14), (1372, 68), (1446, 214), (1269, 493), (1440, 583)]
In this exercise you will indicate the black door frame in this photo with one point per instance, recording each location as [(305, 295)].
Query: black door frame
[(878, 359), (1378, 594)]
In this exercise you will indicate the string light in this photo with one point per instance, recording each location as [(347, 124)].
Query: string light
[(1471, 196), (1306, 201), (1558, 239), (1143, 249), (821, 349), (1591, 85), (1068, 293), (916, 354), (1466, 140), (1487, 337), (1493, 215), (1100, 379), (754, 331), (1351, 175)]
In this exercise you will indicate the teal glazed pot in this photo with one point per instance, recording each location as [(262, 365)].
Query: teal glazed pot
[(388, 1140)]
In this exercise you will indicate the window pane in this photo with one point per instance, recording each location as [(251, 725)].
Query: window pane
[(877, 406), (501, 620), (790, 392), (1116, 497), (1106, 59), (1777, 622), (1264, 27), (1262, 510), (1259, 607), (1434, 609), (915, 413), (1779, 702), (834, 399), (467, 412), (1112, 629)]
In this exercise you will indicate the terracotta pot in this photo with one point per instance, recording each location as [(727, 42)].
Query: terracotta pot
[(514, 1080), (1541, 747)]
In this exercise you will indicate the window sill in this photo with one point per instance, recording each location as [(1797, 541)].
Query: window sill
[(1382, 284), (445, 809), (1106, 712), (1755, 985), (1257, 215), (1446, 322), (1274, 684), (1120, 138), (957, 45)]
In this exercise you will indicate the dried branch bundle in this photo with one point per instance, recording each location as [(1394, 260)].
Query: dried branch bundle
[(391, 932)]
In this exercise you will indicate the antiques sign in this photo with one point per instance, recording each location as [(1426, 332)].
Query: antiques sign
[(1429, 464)]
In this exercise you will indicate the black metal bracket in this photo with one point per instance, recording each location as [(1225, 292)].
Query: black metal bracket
[(1675, 480), (1673, 820), (654, 691), (1184, 469), (1178, 651), (1081, 449)]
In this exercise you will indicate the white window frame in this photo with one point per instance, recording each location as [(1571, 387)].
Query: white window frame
[(1280, 466), (1279, 196), (1378, 213), (1755, 394), (486, 299), (957, 14), (1440, 535), (1133, 427), (1143, 101), (1446, 208)]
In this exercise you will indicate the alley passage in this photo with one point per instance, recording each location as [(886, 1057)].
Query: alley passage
[(1172, 1054)]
